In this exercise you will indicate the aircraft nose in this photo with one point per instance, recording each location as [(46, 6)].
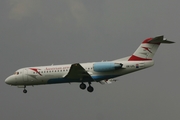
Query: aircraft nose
[(9, 80)]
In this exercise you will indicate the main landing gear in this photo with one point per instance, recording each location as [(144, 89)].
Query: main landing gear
[(24, 91), (89, 88), (82, 86)]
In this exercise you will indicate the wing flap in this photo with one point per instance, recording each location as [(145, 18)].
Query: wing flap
[(109, 81)]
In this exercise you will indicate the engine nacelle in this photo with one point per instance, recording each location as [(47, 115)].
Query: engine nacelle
[(106, 66)]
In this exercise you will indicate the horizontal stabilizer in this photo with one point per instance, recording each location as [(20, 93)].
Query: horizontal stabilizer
[(159, 39)]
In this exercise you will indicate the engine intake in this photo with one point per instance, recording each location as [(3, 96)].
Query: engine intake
[(106, 66)]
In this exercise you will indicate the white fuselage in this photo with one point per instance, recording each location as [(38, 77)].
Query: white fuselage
[(55, 73)]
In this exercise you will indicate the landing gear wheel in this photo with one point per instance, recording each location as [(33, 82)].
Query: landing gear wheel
[(82, 86), (90, 89), (24, 91)]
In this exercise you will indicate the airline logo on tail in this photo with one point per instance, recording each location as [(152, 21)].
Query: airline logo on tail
[(148, 49)]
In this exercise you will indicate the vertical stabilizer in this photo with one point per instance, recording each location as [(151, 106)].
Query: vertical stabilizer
[(148, 48)]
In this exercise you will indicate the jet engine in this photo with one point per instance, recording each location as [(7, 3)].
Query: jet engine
[(106, 66)]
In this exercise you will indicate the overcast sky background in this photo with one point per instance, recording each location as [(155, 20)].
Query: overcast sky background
[(42, 32)]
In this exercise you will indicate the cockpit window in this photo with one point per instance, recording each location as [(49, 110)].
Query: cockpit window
[(16, 73)]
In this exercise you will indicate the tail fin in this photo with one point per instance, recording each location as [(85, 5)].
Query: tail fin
[(148, 48)]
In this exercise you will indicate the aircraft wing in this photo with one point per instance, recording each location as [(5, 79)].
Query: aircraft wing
[(78, 72)]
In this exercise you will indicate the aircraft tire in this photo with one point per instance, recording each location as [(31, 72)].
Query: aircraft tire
[(90, 89), (82, 86), (24, 91)]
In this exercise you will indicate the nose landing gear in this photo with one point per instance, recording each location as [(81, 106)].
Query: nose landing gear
[(24, 91)]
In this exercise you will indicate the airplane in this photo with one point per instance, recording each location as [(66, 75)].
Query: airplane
[(103, 72)]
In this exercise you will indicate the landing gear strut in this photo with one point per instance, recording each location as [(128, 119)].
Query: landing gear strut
[(24, 91)]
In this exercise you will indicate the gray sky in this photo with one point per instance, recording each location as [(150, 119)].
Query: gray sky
[(41, 32)]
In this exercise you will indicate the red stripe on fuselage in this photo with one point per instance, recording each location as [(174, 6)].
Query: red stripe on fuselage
[(136, 58)]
